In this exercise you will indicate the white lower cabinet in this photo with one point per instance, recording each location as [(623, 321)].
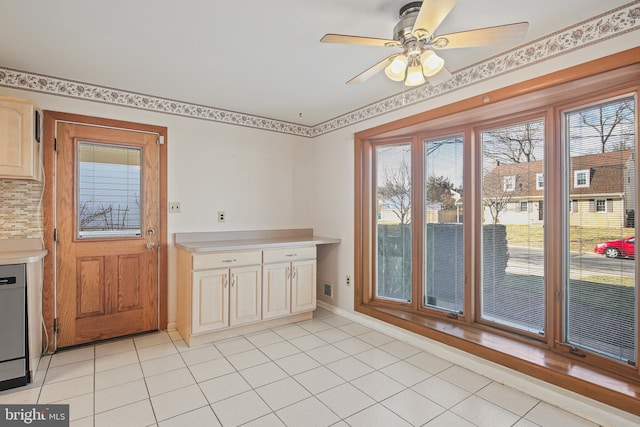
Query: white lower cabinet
[(219, 291), (303, 286), (276, 290), (246, 295), (226, 297), (289, 285), (210, 300)]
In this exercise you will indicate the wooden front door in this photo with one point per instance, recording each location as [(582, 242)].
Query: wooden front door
[(107, 221)]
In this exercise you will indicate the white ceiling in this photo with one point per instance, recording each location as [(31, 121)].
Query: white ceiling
[(256, 57)]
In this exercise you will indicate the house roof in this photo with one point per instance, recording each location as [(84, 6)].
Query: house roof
[(606, 171)]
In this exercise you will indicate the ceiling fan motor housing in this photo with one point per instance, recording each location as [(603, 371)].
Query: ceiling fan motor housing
[(403, 30)]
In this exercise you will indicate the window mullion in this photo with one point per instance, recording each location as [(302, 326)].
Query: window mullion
[(554, 218), (417, 190)]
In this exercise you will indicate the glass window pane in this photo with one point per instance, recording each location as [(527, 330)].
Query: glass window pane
[(393, 222), (513, 227), (108, 190), (444, 243), (600, 295)]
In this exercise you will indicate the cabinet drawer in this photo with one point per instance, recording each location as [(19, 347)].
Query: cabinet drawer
[(289, 254), (226, 259)]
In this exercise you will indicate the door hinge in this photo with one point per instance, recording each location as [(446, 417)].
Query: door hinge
[(161, 139), (56, 326), (55, 235), (55, 145)]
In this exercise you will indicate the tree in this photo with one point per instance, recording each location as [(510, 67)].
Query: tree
[(396, 191), (606, 118), (439, 190), (514, 144)]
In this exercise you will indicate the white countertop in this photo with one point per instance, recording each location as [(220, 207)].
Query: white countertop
[(21, 251), (233, 245), (260, 239)]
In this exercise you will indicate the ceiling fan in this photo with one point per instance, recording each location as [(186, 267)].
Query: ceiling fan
[(415, 35)]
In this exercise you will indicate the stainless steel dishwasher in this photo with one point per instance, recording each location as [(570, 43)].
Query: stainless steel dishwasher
[(13, 326)]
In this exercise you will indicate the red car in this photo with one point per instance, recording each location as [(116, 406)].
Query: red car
[(617, 248)]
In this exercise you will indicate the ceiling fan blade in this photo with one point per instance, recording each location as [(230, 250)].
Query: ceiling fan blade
[(368, 41), (431, 15), (511, 33), (369, 72)]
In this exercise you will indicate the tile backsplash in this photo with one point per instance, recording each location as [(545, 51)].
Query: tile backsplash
[(20, 209)]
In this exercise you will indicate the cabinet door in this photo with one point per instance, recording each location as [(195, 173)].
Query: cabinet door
[(246, 295), (276, 290), (303, 286), (210, 300), (19, 153)]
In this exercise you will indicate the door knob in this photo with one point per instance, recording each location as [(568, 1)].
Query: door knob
[(151, 245)]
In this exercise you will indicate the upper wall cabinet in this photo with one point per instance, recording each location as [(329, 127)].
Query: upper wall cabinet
[(19, 140)]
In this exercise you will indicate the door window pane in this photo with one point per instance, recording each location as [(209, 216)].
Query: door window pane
[(600, 293), (444, 211), (393, 222), (108, 190), (512, 291)]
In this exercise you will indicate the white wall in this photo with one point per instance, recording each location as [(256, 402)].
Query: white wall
[(259, 178)]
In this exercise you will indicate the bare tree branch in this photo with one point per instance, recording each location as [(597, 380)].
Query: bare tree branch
[(396, 191)]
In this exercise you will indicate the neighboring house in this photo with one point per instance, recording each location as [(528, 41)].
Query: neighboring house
[(602, 191)]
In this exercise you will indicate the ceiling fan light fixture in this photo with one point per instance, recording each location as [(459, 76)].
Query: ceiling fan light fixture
[(396, 68), (414, 74), (431, 63)]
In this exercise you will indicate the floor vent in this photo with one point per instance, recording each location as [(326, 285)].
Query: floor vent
[(327, 290)]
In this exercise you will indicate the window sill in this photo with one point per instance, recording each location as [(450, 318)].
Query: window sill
[(563, 371)]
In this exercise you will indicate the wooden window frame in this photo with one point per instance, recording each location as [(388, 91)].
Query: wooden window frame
[(608, 382)]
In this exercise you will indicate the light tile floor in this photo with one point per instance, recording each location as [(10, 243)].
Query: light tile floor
[(326, 371)]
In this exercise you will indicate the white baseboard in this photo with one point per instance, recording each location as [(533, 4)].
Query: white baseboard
[(569, 401)]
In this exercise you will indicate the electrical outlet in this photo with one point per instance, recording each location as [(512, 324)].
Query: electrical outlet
[(174, 207), (221, 216), (348, 280)]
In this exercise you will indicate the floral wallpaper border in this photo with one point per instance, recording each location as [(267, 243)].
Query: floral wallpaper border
[(597, 29)]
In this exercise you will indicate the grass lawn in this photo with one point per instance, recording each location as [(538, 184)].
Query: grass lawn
[(583, 239)]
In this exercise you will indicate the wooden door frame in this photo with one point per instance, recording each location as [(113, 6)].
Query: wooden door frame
[(49, 209)]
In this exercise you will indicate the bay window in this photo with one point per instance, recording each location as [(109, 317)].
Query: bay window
[(600, 308), (443, 224), (393, 222), (512, 282), (478, 228)]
